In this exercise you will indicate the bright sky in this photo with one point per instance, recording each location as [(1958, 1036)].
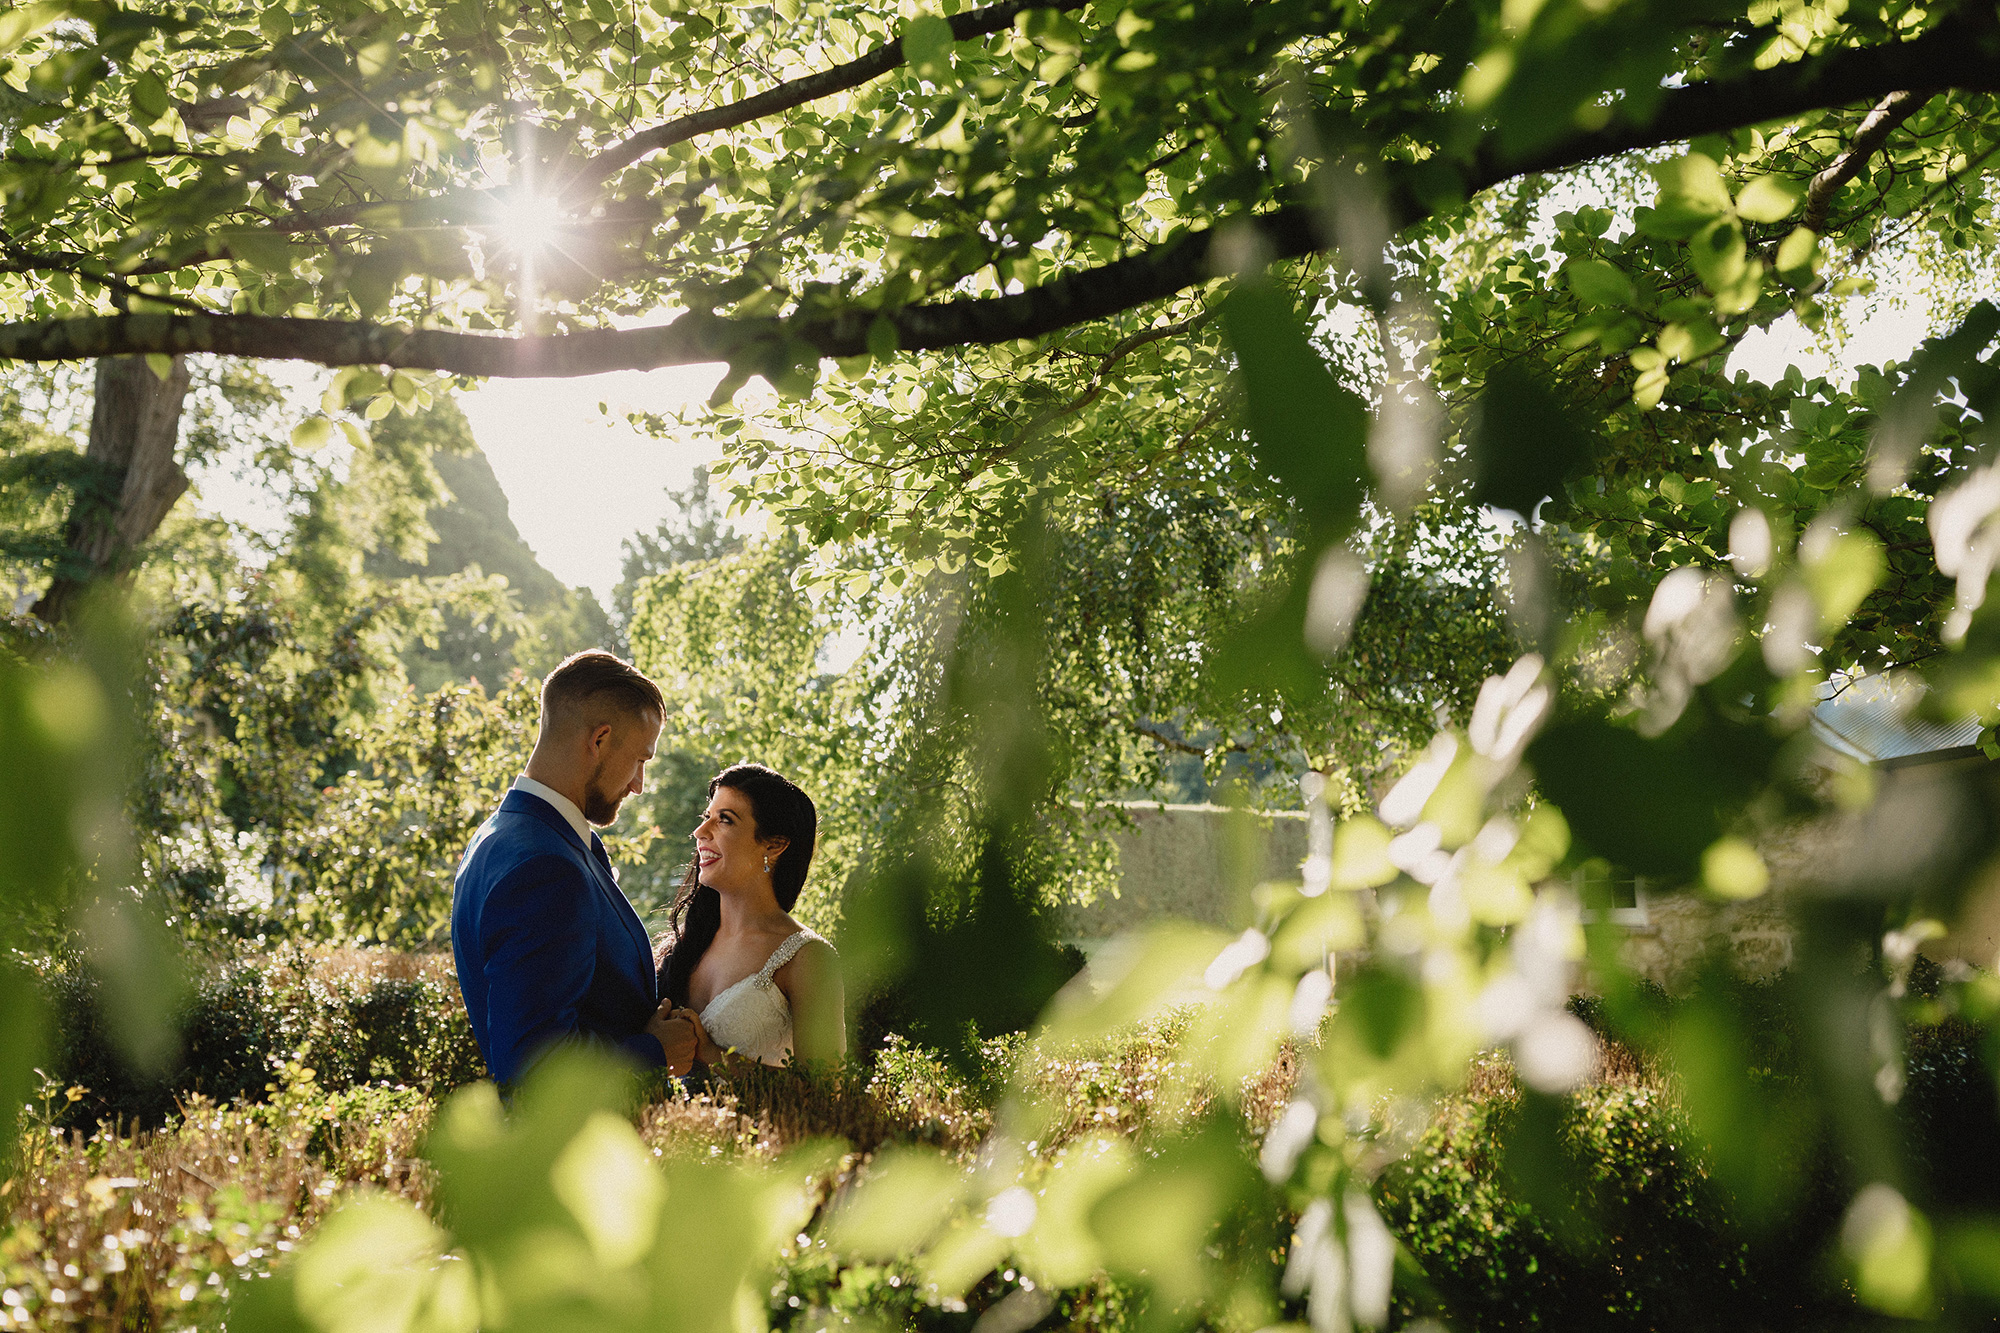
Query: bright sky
[(1886, 333), (578, 482)]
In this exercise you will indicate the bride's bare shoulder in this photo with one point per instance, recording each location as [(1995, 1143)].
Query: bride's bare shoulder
[(813, 965)]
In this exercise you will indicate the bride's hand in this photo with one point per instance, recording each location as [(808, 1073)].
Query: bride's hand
[(706, 1051)]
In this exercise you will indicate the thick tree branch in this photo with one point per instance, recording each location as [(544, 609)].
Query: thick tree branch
[(1951, 57), (1875, 129), (1955, 55), (600, 167)]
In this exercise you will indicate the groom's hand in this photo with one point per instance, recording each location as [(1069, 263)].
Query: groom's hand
[(705, 1050), (676, 1037)]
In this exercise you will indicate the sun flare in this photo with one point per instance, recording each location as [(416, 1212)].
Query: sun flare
[(530, 223)]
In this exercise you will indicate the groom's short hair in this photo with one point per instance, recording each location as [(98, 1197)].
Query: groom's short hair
[(594, 686)]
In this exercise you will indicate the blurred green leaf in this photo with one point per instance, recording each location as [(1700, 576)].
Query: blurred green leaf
[(1768, 199), (1529, 442), (1306, 428), (1598, 282), (927, 43), (906, 1196), (1134, 978), (1653, 805)]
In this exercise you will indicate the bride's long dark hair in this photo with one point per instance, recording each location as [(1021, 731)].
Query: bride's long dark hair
[(780, 810)]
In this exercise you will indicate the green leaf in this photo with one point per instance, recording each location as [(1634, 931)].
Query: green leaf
[(1651, 805), (1718, 251), (149, 96), (1768, 199), (898, 1204), (1798, 254), (606, 1178), (1306, 428), (312, 433), (1841, 569), (1695, 182), (1690, 341), (1692, 195), (882, 340), (927, 44), (18, 25), (372, 283), (1382, 1007), (1599, 283)]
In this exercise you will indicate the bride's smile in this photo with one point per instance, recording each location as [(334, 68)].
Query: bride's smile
[(729, 856)]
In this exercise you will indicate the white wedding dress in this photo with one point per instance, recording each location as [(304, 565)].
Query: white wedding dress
[(753, 1016)]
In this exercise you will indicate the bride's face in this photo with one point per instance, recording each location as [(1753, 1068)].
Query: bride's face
[(727, 851)]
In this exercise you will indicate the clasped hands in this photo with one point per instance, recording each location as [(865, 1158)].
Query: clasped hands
[(682, 1038)]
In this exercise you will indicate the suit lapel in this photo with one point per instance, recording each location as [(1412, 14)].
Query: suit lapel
[(527, 803), (621, 907)]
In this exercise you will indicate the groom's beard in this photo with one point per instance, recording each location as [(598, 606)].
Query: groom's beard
[(599, 808)]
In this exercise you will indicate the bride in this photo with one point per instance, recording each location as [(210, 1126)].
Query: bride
[(756, 984)]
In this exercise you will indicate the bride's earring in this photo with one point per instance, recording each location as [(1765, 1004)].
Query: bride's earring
[(767, 865)]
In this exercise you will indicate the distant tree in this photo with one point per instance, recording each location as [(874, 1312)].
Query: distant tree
[(695, 529), (474, 532)]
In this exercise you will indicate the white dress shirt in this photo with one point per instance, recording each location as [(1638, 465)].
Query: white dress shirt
[(563, 804)]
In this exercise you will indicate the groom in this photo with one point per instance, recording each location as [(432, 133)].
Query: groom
[(548, 948)]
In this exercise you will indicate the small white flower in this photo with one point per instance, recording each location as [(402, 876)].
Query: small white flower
[(1692, 621), (1794, 623), (1339, 587), (1506, 1006), (1556, 1053), (1966, 536), (1371, 1260), (1309, 1001), (1751, 547), (1508, 710)]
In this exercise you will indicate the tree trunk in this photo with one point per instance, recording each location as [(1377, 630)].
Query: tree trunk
[(135, 426)]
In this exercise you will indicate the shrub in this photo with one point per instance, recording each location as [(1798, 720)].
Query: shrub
[(1625, 1230), (353, 1017)]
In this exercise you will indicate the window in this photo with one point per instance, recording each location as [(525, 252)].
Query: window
[(1610, 895)]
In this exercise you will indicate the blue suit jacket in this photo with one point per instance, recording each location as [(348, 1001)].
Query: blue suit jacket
[(548, 948)]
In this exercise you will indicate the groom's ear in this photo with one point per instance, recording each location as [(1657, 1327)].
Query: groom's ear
[(600, 736)]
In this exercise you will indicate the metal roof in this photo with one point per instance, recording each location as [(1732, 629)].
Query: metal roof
[(1873, 718)]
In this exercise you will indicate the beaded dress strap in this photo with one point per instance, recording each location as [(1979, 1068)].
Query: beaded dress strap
[(785, 952)]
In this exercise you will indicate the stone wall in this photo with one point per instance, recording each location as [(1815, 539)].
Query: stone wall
[(1192, 861), (1200, 862), (1680, 930)]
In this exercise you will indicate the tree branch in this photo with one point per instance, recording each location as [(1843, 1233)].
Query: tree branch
[(1958, 54), (591, 175), (1950, 57), (1875, 129)]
